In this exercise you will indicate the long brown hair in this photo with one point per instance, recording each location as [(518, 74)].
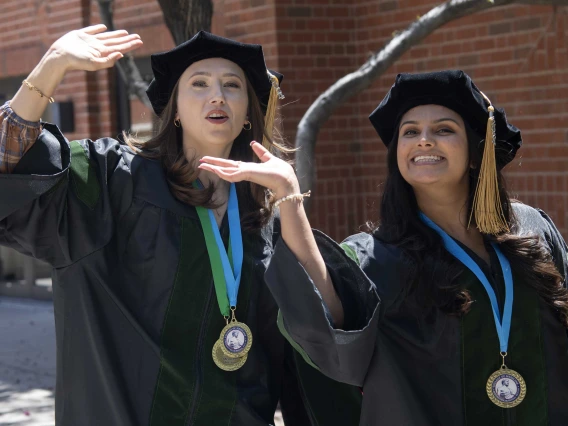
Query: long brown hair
[(167, 147), (434, 274)]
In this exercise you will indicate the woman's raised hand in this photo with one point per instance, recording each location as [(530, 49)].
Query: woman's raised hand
[(272, 172), (87, 49), (92, 48)]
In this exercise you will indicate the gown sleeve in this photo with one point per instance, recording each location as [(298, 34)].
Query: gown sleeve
[(59, 201), (342, 354), (557, 245), (534, 221), (308, 396)]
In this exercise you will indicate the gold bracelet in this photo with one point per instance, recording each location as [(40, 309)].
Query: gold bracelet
[(295, 197), (32, 87)]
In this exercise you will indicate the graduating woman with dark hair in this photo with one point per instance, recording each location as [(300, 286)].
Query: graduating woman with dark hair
[(453, 310), (162, 315)]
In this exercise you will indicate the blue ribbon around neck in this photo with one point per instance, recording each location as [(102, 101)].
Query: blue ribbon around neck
[(503, 326), (232, 273)]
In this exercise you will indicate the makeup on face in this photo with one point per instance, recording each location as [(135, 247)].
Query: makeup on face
[(212, 102), (432, 145)]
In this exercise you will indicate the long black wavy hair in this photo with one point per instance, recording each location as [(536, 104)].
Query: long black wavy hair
[(434, 274)]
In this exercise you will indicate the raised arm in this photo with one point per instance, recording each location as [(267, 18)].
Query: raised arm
[(58, 199), (88, 49)]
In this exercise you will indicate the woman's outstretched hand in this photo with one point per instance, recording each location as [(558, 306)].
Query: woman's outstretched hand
[(272, 172), (87, 49), (92, 48)]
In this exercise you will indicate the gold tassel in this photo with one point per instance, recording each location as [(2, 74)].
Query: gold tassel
[(275, 94), (487, 208)]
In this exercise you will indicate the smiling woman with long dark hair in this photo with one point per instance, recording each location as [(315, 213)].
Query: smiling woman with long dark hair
[(453, 309)]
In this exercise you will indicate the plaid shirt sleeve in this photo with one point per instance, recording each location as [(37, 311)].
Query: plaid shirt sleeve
[(16, 137)]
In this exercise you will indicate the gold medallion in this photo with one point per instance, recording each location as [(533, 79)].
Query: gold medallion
[(236, 339), (506, 388), (224, 362)]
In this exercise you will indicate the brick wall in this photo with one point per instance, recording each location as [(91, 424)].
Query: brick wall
[(317, 46), (516, 54)]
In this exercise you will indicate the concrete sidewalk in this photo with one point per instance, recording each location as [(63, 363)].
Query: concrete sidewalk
[(27, 362)]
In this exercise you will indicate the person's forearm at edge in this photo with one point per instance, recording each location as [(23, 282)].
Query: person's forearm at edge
[(298, 236)]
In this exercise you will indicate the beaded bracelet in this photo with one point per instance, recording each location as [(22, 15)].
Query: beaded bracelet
[(295, 197), (32, 87)]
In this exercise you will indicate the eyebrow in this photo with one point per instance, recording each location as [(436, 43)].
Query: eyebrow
[(437, 121), (208, 74)]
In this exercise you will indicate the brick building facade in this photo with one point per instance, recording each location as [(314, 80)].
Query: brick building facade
[(518, 55)]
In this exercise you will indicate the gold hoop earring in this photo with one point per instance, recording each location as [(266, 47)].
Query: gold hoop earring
[(249, 125), (177, 122)]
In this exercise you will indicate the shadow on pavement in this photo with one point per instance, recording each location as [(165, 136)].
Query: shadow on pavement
[(27, 362)]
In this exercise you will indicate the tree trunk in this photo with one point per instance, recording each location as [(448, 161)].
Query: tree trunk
[(186, 17)]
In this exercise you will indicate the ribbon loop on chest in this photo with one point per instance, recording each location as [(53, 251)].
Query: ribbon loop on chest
[(226, 267), (502, 323)]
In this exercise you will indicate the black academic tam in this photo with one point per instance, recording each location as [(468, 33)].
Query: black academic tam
[(455, 90), (169, 66)]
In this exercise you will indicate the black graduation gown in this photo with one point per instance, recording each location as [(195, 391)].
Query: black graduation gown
[(135, 307), (425, 370)]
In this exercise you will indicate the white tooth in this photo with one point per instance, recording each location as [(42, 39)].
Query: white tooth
[(427, 158)]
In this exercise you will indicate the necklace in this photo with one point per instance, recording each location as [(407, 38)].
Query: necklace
[(506, 388), (230, 352)]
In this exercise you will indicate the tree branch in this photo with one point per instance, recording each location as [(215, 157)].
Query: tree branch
[(355, 82), (126, 66)]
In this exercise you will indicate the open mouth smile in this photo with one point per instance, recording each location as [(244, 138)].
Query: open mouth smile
[(427, 159)]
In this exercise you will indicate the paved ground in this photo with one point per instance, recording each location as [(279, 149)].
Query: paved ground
[(27, 363)]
